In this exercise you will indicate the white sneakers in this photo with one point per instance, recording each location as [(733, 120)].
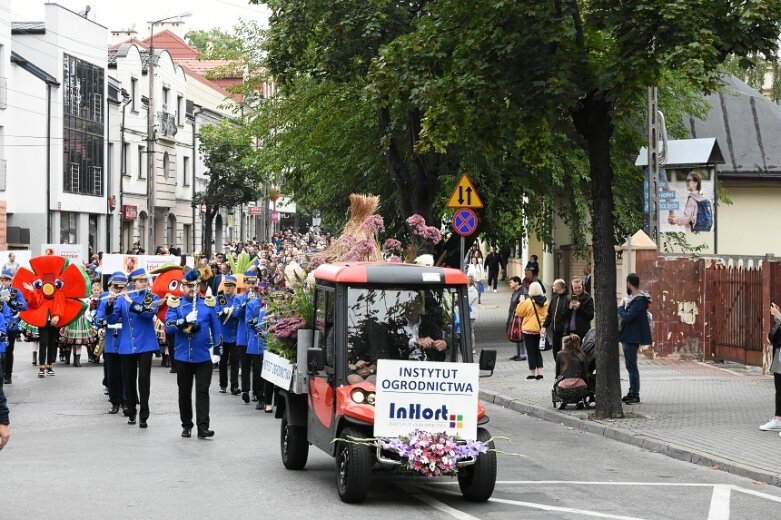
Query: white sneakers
[(772, 425)]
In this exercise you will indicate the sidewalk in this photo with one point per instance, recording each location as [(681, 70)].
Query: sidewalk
[(700, 413)]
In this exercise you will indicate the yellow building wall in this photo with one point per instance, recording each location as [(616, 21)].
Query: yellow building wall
[(750, 226)]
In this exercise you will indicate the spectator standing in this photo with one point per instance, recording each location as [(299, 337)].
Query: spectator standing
[(533, 310), (491, 266), (11, 265), (475, 270), (555, 323), (580, 311), (587, 278), (515, 299), (775, 339), (635, 330), (534, 265)]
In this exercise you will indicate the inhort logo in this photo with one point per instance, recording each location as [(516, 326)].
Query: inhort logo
[(416, 412), (457, 421)]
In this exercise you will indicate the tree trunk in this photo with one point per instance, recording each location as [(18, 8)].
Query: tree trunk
[(207, 231), (593, 121)]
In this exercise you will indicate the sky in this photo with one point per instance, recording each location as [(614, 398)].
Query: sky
[(119, 14)]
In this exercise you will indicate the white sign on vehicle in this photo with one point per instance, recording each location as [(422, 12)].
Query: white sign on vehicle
[(426, 395), (277, 370)]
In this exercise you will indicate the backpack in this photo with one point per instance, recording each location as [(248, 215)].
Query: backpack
[(704, 216)]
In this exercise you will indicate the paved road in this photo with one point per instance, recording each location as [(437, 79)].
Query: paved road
[(68, 459)]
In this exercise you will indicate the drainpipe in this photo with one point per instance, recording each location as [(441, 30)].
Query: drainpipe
[(108, 172), (48, 163), (196, 111), (123, 169)]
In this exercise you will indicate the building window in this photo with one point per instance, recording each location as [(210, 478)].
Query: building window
[(185, 171), (110, 158), (165, 98), (126, 159), (133, 93), (141, 160), (93, 232), (83, 127), (69, 227), (180, 110), (166, 165)]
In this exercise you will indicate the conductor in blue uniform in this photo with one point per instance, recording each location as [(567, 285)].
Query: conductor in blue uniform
[(197, 332), (135, 310)]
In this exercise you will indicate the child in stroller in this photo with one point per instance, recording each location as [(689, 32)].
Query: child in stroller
[(575, 381)]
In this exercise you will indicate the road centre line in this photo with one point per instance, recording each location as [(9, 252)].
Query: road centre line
[(436, 504), (586, 483), (719, 503), (544, 507)]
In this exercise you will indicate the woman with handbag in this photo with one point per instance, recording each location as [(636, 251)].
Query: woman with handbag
[(775, 339), (514, 333), (533, 310)]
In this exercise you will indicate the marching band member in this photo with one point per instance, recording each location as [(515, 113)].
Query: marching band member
[(230, 323), (16, 303), (239, 310), (109, 335), (256, 347), (137, 342), (197, 331)]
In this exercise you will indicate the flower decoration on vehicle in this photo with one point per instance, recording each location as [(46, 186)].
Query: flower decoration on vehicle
[(54, 287), (422, 237)]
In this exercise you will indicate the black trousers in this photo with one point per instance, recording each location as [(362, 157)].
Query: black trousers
[(137, 367), (230, 356), (777, 381), (47, 348), (533, 352), (202, 374), (8, 362), (556, 348), (493, 278), (253, 363), (170, 339), (113, 369)]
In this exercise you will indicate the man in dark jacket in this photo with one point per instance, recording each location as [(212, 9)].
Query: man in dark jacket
[(558, 312), (515, 299), (635, 331), (580, 311), (491, 265)]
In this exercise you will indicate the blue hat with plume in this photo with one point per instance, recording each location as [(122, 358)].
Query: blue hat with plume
[(191, 277)]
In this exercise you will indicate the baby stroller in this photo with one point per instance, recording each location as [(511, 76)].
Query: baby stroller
[(581, 396)]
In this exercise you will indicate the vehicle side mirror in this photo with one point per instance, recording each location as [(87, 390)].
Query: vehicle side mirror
[(315, 361), (488, 361)]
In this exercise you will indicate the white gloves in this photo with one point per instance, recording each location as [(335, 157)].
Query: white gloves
[(192, 317)]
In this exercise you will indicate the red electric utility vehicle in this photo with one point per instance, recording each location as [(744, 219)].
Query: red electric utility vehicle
[(360, 319)]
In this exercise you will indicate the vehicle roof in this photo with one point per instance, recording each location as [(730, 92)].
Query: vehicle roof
[(389, 273)]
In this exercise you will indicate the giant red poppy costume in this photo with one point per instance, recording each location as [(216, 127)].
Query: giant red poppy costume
[(59, 289)]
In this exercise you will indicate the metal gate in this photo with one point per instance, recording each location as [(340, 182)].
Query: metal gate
[(737, 312)]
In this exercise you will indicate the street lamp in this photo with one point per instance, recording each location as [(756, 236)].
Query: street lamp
[(150, 124)]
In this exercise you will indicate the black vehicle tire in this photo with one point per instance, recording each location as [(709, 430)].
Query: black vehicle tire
[(353, 468), (477, 482), (293, 445)]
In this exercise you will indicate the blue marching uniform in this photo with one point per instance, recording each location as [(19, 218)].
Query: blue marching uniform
[(137, 343), (112, 365), (15, 304), (198, 330), (230, 354), (255, 319)]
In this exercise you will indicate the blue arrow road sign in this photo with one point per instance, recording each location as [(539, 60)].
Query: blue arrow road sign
[(464, 222)]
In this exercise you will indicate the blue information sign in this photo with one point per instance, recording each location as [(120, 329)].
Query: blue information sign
[(464, 222)]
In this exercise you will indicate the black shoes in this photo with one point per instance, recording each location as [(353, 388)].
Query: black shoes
[(114, 409), (259, 406), (245, 397), (50, 371), (7, 380), (41, 372), (539, 377), (187, 433), (235, 391), (531, 378), (142, 424), (131, 419), (223, 390), (631, 399), (515, 358), (205, 434)]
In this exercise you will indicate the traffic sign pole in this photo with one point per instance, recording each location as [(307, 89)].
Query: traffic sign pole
[(461, 258)]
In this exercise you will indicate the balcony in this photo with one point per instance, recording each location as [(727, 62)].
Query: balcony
[(166, 125)]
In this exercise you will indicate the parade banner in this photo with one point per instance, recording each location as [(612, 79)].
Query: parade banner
[(127, 263), (277, 370), (73, 252), (434, 397)]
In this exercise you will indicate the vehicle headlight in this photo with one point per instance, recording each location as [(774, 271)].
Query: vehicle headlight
[(370, 398), (358, 396)]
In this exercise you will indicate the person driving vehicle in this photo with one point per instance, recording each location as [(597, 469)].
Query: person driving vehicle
[(424, 336)]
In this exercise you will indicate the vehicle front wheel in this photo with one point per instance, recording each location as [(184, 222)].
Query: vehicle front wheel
[(293, 445), (477, 481), (353, 467)]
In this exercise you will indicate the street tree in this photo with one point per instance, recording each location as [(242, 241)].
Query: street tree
[(539, 73), (231, 162), (214, 44)]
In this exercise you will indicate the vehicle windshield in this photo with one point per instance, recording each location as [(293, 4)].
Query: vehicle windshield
[(400, 323)]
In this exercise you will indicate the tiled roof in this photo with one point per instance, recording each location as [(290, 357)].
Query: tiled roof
[(204, 66), (28, 28)]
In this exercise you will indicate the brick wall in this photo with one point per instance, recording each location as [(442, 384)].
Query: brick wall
[(3, 226)]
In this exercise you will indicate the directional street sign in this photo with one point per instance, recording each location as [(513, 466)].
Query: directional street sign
[(465, 195), (464, 222)]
